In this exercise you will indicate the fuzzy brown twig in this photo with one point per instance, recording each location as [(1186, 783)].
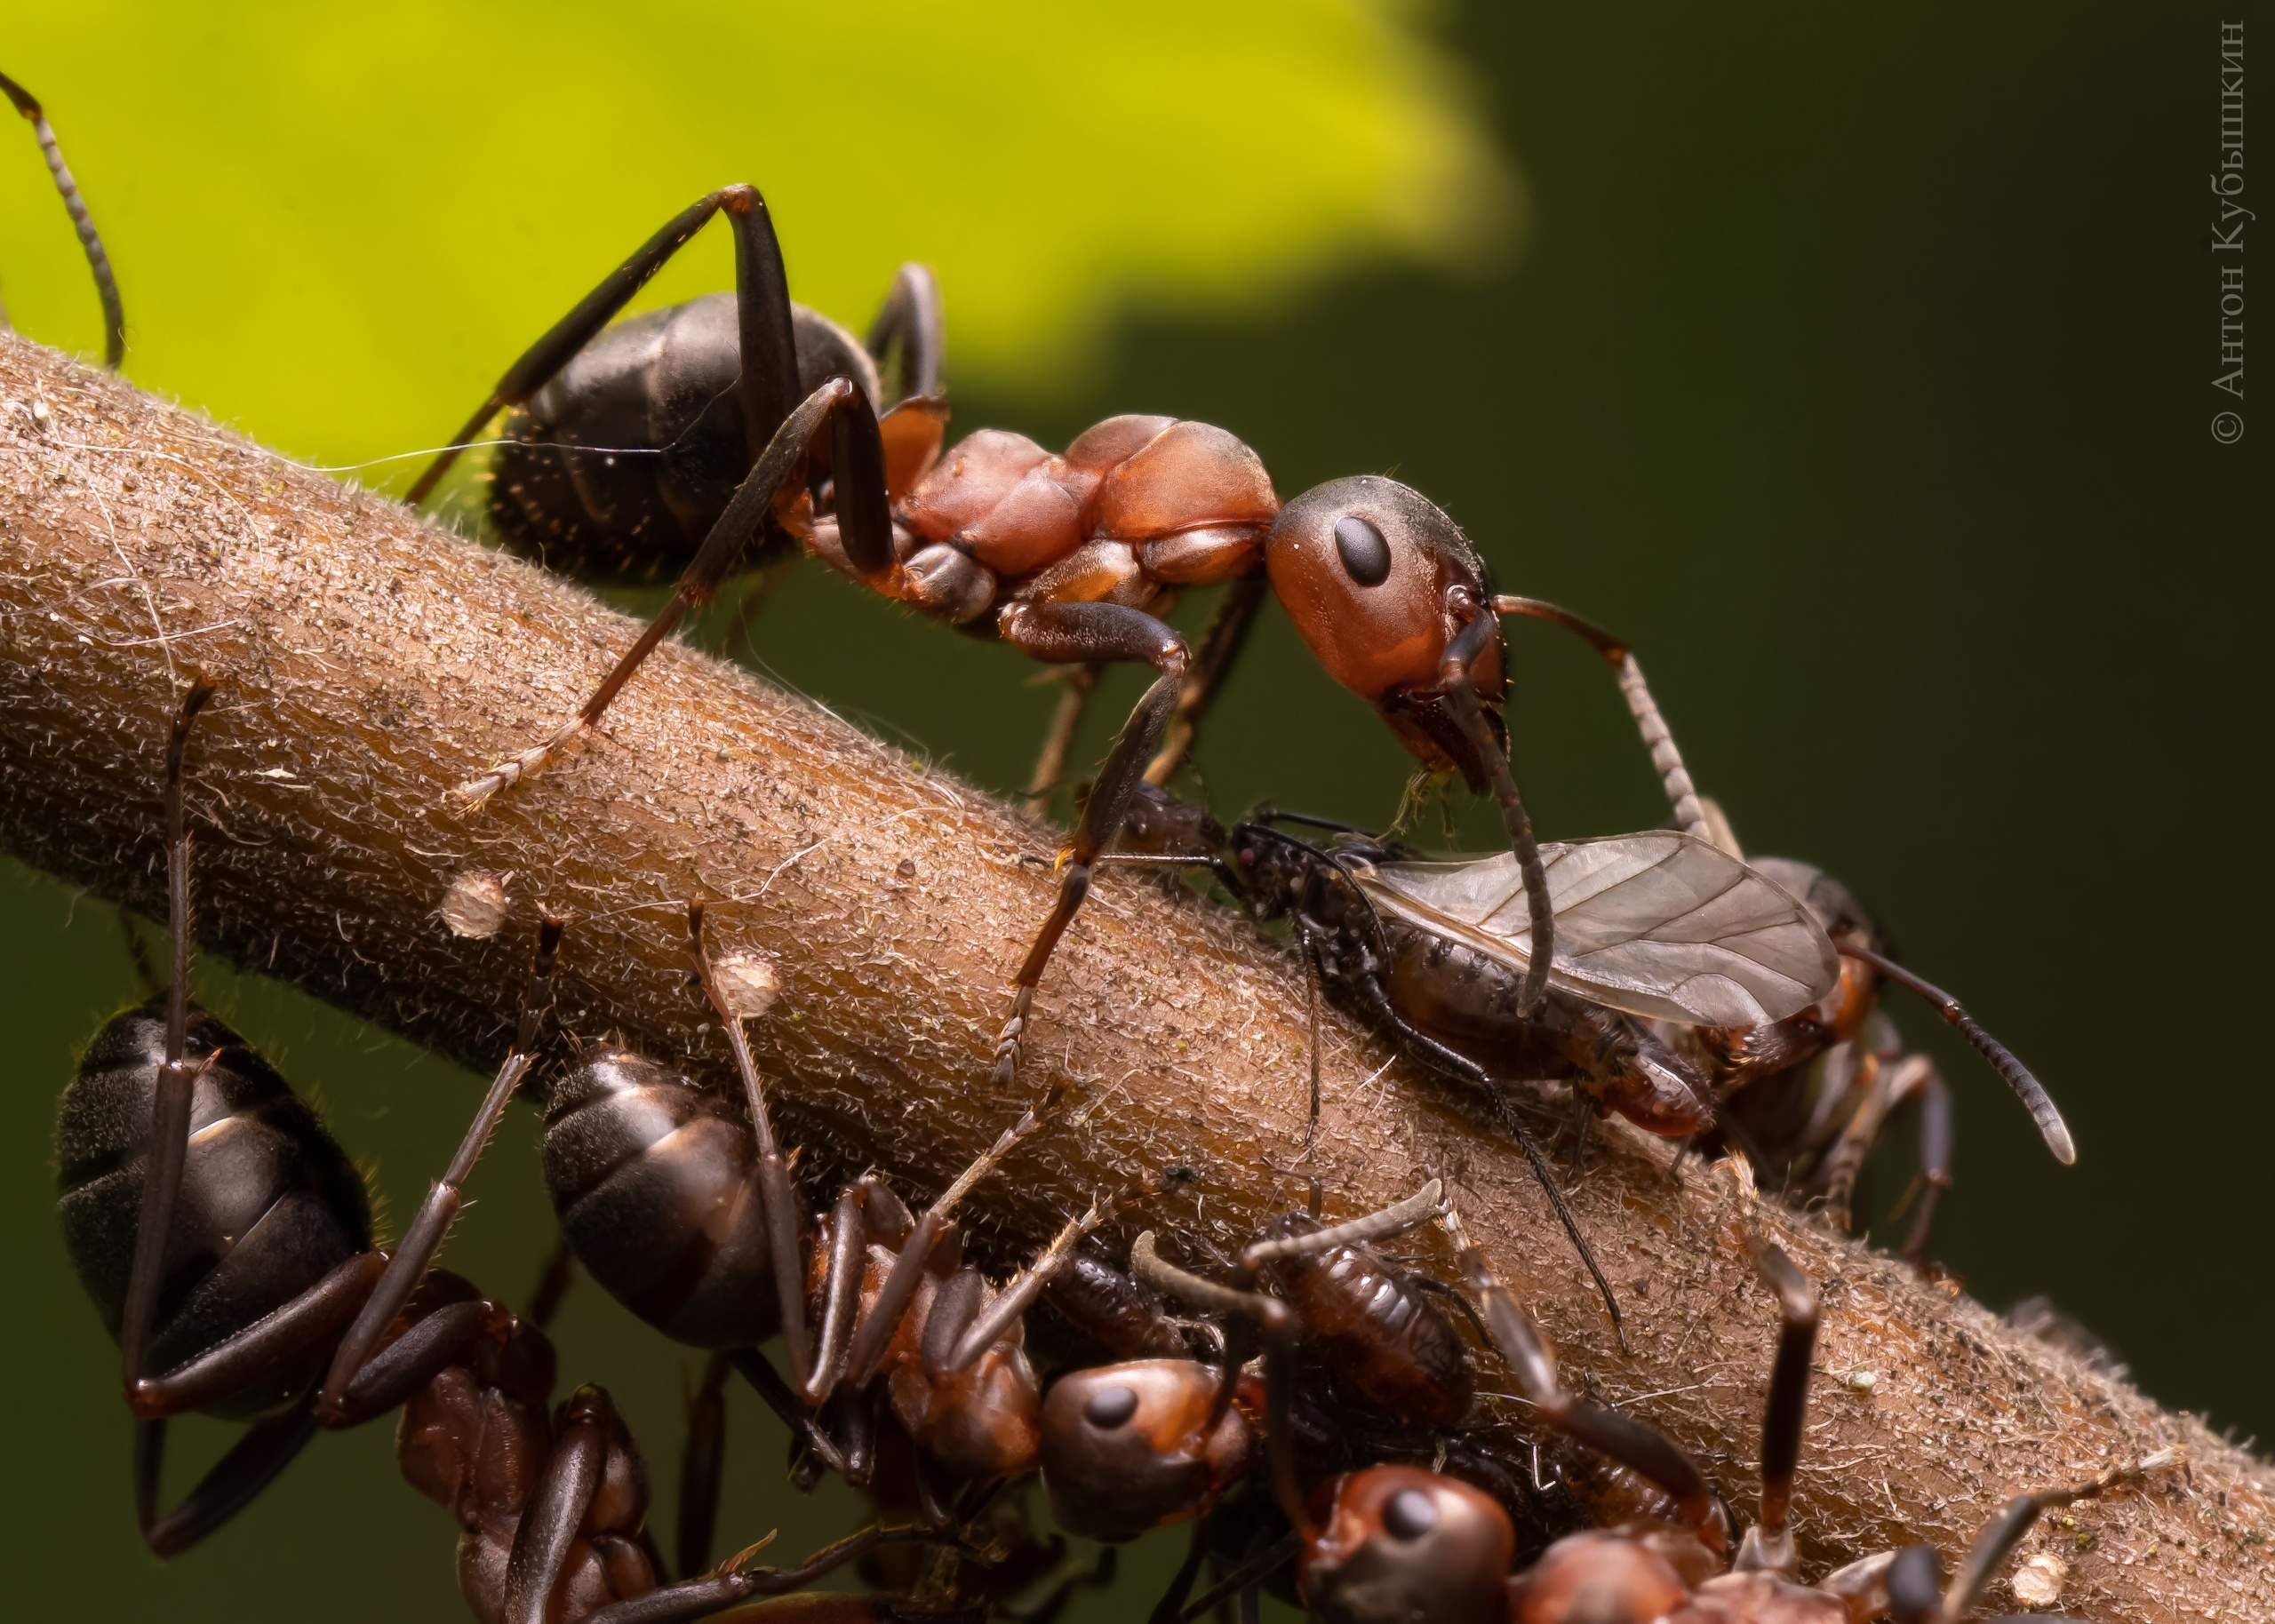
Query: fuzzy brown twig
[(369, 662)]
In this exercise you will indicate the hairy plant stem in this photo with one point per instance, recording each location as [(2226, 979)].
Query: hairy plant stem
[(369, 661)]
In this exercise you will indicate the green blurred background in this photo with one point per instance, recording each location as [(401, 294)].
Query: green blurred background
[(1853, 364)]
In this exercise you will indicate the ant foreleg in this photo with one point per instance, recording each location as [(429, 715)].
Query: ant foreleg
[(1935, 1132), (864, 524), (769, 385), (1063, 634), (445, 1197)]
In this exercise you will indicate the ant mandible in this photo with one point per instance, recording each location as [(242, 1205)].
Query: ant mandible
[(1067, 557)]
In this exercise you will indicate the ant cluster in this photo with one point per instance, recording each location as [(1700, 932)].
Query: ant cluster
[(1273, 1399)]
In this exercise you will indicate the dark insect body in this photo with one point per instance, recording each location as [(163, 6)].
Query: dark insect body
[(680, 1203), (628, 444)]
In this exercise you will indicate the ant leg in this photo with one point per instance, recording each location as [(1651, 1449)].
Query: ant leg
[(700, 1465), (82, 222), (1278, 1325), (2005, 1530), (1690, 814), (318, 1313), (552, 1285), (1171, 1608), (784, 1222), (2027, 1088), (236, 1480), (1244, 1578), (1310, 1016), (768, 387), (1220, 648), (910, 317), (1769, 1544), (697, 1598), (177, 1082), (899, 1287), (445, 1197), (990, 1324), (1080, 681), (1460, 1065), (1469, 716), (864, 524), (841, 1291), (1934, 1159), (558, 1505), (1642, 1448), (1063, 634), (767, 1382)]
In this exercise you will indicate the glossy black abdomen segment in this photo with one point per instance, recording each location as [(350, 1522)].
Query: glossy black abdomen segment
[(654, 397), (654, 1182), (269, 1202)]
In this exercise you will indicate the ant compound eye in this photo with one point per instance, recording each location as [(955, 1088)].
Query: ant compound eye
[(1366, 556), (1409, 1514), (1110, 1406)]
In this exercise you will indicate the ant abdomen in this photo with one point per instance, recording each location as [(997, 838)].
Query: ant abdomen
[(664, 379), (269, 1203), (656, 1187), (1377, 1328)]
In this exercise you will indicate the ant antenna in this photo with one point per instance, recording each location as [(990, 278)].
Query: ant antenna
[(2017, 1075), (1674, 778), (90, 242)]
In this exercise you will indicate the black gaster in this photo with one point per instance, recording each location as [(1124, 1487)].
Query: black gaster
[(656, 1190), (269, 1203), (654, 394)]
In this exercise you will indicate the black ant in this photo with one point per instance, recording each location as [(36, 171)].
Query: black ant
[(91, 244), (680, 1202), (1063, 556)]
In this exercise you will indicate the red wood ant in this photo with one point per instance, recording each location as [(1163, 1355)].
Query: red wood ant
[(554, 1503), (225, 1237), (90, 242), (682, 1206), (1065, 556), (1395, 1544)]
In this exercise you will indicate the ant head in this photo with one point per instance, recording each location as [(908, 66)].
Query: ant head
[(1400, 1543), (1586, 1577), (1367, 568), (1124, 1447)]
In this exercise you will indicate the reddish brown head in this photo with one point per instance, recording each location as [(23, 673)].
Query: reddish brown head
[(1598, 1578), (1405, 1546), (1127, 1447), (1369, 569)]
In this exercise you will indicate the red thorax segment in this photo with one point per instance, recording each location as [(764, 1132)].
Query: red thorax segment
[(1191, 493)]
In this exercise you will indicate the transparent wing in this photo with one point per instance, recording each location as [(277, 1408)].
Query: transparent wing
[(1660, 924)]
